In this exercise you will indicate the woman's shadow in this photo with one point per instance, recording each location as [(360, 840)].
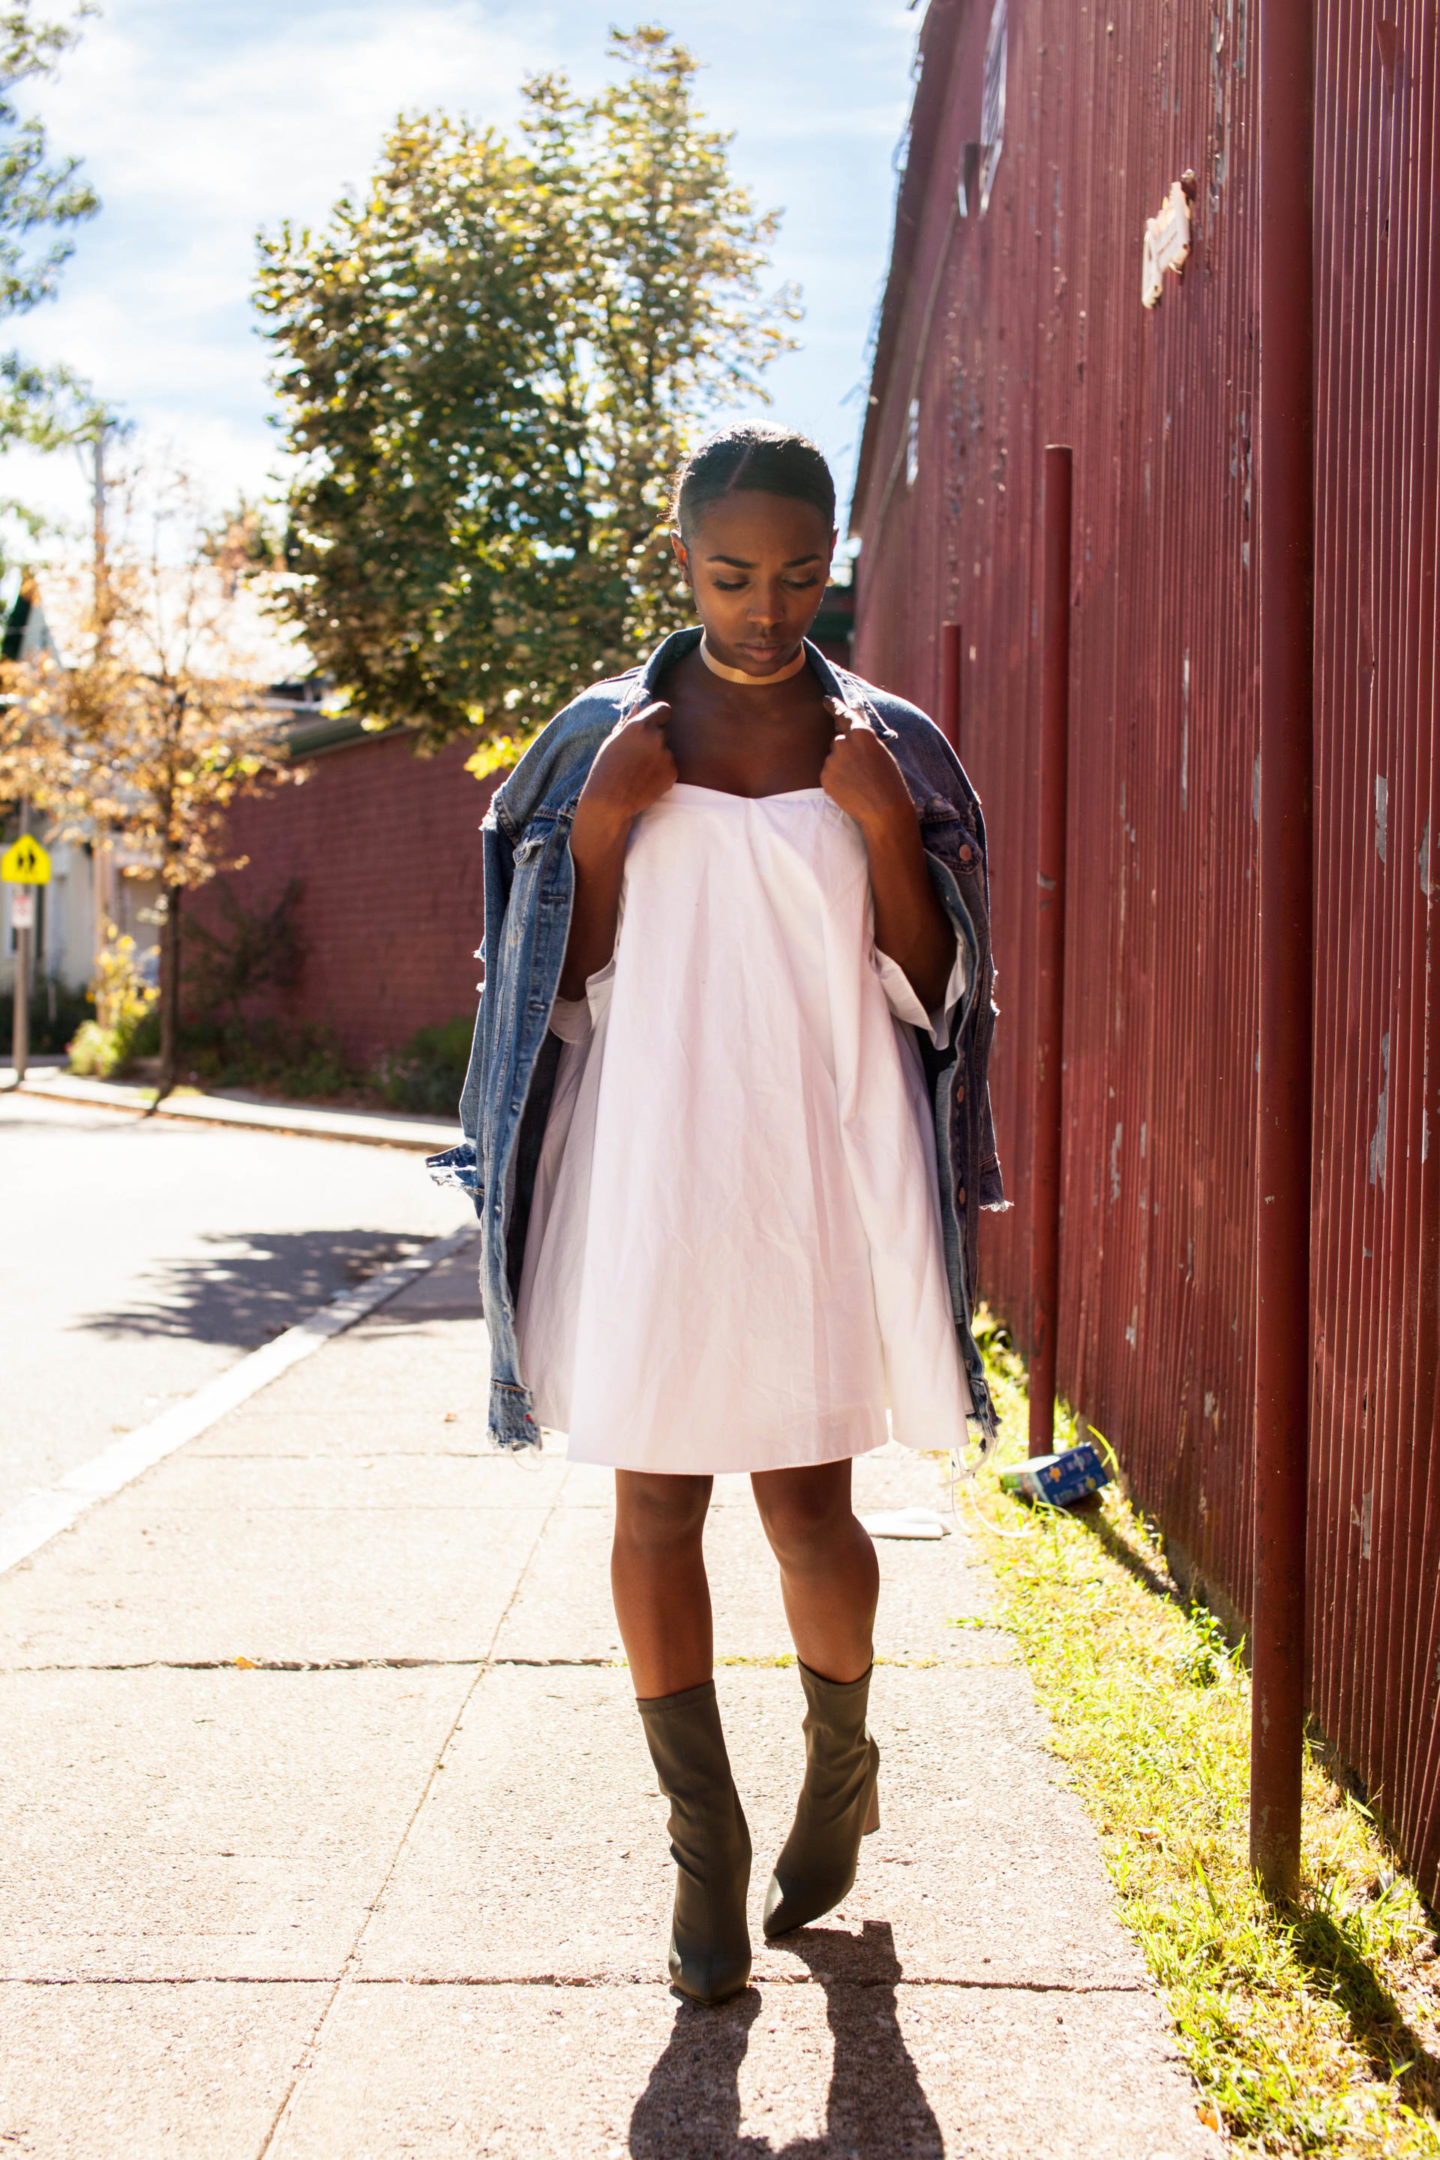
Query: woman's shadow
[(875, 2108)]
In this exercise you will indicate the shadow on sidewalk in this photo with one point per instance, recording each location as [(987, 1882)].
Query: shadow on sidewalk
[(253, 1285), (875, 2108)]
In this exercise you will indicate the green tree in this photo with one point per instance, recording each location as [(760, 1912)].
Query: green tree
[(41, 201), (490, 366)]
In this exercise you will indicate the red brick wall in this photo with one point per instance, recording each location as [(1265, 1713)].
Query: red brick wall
[(387, 848)]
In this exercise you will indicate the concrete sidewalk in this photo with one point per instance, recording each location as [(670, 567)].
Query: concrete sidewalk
[(397, 1883)]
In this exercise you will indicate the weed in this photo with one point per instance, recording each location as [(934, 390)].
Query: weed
[(1312, 2028)]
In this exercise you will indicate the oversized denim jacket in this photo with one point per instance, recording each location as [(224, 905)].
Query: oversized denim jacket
[(529, 887)]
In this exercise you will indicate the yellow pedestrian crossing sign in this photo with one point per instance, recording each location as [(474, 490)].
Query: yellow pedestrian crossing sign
[(26, 863)]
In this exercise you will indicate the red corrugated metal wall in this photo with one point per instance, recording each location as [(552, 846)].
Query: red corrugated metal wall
[(1002, 332)]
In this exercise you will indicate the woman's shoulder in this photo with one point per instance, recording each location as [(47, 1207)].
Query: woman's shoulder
[(554, 765), (897, 712), (926, 758)]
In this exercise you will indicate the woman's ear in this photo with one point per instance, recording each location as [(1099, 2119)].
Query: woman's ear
[(682, 554)]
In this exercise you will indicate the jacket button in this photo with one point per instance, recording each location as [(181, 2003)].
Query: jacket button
[(966, 852), (959, 1094), (960, 1196)]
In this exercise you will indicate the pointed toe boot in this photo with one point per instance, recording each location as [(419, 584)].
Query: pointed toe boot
[(709, 1937), (839, 1803)]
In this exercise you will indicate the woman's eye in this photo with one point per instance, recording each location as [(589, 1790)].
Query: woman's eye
[(801, 584), (721, 586)]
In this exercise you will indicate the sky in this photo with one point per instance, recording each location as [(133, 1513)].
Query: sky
[(199, 121)]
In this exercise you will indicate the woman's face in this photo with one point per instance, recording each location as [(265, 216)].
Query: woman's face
[(757, 565)]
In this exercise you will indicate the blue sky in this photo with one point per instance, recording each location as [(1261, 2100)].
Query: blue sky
[(200, 120)]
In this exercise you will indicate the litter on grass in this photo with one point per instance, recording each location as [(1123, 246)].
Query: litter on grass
[(1058, 1480)]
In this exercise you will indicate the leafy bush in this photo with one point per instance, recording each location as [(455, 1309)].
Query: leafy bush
[(299, 1060), (125, 1016), (428, 1073), (56, 1011)]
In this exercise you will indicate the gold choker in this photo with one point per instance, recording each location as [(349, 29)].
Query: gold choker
[(756, 682)]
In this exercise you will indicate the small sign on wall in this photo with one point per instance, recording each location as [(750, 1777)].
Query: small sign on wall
[(22, 907), (1167, 240)]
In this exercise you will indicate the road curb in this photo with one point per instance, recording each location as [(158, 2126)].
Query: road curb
[(369, 1128), (34, 1521)]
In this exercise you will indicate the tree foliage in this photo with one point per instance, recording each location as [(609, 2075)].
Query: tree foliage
[(490, 366), (152, 722), (41, 201)]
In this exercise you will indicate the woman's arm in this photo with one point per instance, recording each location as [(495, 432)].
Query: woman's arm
[(911, 926), (633, 769)]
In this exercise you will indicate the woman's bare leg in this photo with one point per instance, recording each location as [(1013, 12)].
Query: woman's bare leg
[(829, 1576), (657, 1575)]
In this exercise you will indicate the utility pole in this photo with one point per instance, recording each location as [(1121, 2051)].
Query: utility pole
[(100, 566), (21, 916), (101, 892), (1283, 1339), (1048, 1141)]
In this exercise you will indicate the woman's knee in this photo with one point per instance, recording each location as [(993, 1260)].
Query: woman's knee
[(806, 1513), (653, 1513)]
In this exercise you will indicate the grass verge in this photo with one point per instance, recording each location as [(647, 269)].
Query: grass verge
[(1312, 2029)]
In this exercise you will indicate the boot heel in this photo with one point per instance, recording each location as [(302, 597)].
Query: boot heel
[(872, 1813)]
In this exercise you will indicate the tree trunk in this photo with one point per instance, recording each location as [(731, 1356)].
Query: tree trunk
[(170, 992)]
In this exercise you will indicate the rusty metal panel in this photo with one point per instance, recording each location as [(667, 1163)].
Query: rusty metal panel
[(1025, 324)]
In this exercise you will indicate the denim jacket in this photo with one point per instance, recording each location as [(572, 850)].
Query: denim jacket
[(529, 886)]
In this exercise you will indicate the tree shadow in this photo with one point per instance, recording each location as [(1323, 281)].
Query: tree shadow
[(875, 2109), (250, 1287), (1378, 2025)]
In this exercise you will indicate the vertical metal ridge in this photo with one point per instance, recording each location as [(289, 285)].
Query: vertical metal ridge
[(1036, 333)]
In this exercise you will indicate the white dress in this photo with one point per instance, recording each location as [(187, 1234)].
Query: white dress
[(734, 1256)]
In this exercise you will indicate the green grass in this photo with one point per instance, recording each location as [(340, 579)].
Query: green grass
[(1310, 2029)]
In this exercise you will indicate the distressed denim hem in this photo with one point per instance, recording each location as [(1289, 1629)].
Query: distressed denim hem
[(512, 1420)]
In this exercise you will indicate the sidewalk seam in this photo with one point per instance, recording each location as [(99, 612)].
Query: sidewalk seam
[(43, 1514), (562, 1980)]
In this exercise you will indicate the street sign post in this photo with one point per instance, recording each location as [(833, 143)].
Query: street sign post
[(24, 865)]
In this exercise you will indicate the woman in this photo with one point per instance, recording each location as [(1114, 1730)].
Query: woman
[(730, 1129)]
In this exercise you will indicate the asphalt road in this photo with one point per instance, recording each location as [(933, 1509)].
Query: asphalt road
[(139, 1258)]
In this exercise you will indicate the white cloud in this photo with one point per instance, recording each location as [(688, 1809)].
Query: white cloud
[(201, 124)]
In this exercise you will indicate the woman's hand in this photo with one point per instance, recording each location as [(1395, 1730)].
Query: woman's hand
[(633, 768), (862, 777), (911, 926)]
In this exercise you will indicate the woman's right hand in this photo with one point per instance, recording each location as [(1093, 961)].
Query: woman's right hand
[(632, 769)]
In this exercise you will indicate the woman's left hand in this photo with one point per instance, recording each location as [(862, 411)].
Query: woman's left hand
[(911, 926), (862, 777)]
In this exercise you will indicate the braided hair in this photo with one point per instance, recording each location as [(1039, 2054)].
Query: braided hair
[(751, 454)]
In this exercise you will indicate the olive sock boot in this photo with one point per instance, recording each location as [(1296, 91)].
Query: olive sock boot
[(709, 1938), (839, 1803)]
